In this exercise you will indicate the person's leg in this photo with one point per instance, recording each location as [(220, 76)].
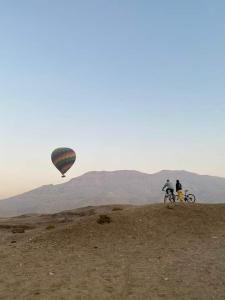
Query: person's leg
[(172, 192), (180, 196)]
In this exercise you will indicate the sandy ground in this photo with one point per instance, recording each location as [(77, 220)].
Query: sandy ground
[(147, 252)]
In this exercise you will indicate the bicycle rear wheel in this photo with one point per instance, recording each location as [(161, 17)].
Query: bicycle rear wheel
[(169, 201), (191, 198)]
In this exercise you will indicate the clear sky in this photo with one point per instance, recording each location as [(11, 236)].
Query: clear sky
[(135, 84)]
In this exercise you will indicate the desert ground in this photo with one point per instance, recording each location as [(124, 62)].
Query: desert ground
[(140, 252)]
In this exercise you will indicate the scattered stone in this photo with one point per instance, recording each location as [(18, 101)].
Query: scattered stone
[(51, 273), (13, 242)]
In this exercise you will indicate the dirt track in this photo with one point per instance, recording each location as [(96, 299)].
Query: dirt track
[(147, 252)]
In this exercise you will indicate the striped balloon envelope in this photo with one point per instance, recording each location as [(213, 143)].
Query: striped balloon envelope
[(63, 159)]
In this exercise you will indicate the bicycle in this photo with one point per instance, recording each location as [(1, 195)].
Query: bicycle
[(189, 198), (169, 199)]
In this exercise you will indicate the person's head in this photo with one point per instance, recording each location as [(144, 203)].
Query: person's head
[(177, 181), (167, 180)]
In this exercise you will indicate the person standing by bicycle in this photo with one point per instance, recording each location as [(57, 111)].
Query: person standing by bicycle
[(169, 187), (179, 190)]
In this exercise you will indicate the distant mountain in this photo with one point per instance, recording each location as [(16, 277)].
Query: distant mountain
[(117, 187)]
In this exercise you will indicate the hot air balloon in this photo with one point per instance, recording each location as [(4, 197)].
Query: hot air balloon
[(63, 159)]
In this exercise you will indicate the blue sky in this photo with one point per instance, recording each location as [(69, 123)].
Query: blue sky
[(127, 84)]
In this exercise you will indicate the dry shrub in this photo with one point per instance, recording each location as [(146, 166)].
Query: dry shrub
[(102, 219), (116, 208), (18, 230), (21, 228), (5, 226), (15, 227), (50, 226), (89, 212)]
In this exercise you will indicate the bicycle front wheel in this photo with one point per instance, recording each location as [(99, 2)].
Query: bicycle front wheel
[(191, 198)]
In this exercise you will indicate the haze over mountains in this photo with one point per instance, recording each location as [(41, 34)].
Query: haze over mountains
[(117, 187)]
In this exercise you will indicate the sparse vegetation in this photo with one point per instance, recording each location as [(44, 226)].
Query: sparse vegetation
[(5, 226), (18, 230), (117, 208), (102, 219), (50, 227), (84, 213), (12, 226)]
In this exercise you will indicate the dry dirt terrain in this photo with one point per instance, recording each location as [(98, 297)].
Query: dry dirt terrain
[(147, 252)]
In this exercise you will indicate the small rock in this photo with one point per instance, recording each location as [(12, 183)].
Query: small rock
[(51, 273), (36, 293)]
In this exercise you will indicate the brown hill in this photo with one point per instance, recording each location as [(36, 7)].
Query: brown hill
[(147, 252), (111, 187)]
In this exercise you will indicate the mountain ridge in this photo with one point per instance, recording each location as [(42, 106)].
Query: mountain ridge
[(111, 187)]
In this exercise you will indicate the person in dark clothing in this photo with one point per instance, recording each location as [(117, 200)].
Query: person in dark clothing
[(179, 190)]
